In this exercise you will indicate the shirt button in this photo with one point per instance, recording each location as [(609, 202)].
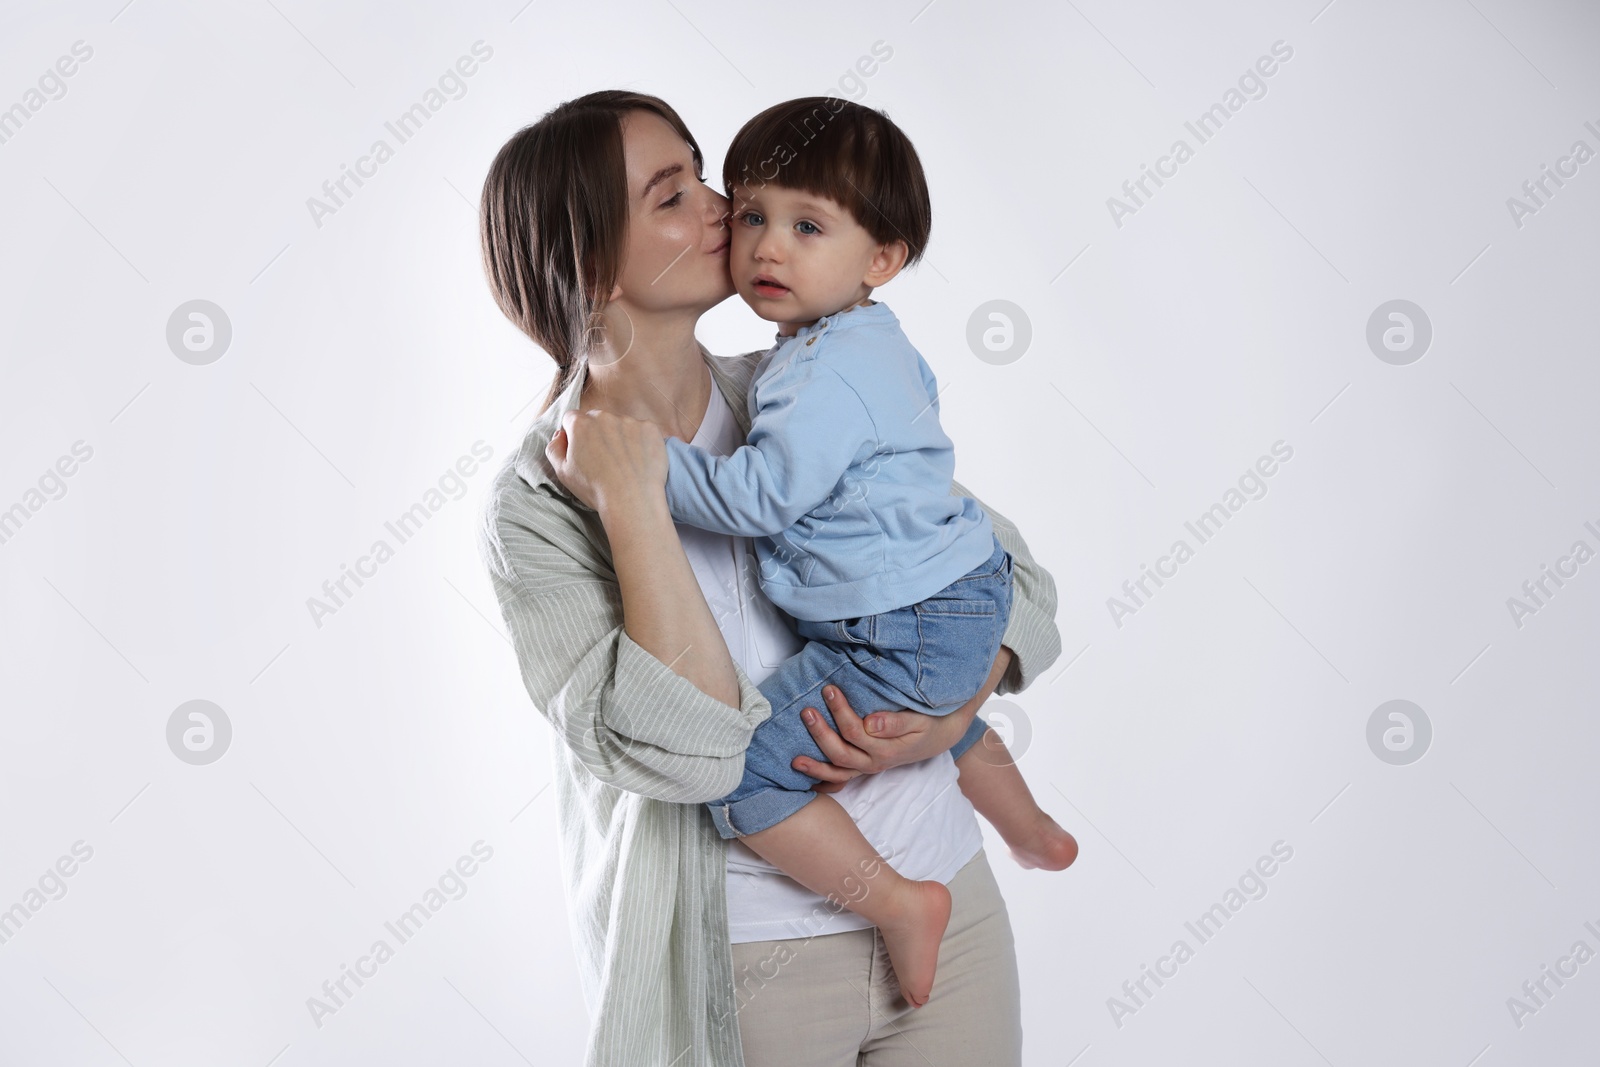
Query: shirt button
[(811, 340)]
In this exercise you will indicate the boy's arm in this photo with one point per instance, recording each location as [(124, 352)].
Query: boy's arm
[(1031, 633), (930, 384), (803, 438)]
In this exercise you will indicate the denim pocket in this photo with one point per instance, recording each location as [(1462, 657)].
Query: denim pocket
[(861, 631), (957, 639)]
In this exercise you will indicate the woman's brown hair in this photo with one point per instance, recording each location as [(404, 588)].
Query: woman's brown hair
[(554, 221)]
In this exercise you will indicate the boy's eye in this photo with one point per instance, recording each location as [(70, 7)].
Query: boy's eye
[(751, 218), (811, 227)]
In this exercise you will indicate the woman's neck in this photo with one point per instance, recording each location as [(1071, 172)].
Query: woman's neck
[(653, 372)]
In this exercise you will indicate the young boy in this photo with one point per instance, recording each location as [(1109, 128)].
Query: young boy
[(901, 589)]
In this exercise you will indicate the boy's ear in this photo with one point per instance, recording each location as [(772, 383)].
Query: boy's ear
[(886, 263)]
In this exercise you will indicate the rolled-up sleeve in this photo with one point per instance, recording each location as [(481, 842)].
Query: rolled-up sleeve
[(626, 716), (1031, 634)]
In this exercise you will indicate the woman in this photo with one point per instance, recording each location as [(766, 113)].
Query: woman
[(602, 243)]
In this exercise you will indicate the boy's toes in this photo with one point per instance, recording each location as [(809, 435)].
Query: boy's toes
[(1063, 849), (1052, 850)]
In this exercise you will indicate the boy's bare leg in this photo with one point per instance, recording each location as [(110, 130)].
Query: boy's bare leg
[(821, 847), (990, 779)]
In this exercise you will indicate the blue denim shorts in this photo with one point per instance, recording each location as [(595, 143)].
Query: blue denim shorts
[(932, 657)]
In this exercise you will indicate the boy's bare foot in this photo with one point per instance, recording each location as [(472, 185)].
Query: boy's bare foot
[(913, 934), (1045, 846)]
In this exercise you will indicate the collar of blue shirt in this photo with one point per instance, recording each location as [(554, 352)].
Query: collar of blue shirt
[(854, 315)]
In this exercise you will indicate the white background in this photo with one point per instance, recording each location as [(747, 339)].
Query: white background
[(1168, 353)]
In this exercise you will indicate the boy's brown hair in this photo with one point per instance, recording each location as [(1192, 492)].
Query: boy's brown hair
[(828, 146)]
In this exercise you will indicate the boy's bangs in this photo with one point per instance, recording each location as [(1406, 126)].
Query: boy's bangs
[(830, 147)]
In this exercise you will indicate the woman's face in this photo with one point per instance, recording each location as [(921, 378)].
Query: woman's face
[(677, 249)]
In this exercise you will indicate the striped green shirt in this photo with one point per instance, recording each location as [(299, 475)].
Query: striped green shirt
[(642, 750)]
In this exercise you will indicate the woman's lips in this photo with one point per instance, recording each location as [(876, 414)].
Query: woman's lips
[(723, 247)]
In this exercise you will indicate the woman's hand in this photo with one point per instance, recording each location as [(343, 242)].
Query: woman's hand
[(885, 738), (604, 459)]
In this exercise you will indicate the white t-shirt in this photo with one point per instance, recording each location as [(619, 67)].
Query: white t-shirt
[(914, 814)]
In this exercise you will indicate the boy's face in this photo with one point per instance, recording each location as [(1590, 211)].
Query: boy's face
[(797, 256)]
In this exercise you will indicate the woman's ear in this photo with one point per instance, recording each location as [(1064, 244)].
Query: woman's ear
[(886, 263)]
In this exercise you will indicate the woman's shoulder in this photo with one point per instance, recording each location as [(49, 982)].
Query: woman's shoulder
[(515, 516), (526, 481), (529, 525), (736, 371), (733, 375)]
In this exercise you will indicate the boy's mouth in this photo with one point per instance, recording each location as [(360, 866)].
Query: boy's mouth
[(766, 285)]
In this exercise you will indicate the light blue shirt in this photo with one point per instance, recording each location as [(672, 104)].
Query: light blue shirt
[(844, 480)]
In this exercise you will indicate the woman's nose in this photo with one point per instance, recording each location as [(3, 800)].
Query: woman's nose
[(716, 207)]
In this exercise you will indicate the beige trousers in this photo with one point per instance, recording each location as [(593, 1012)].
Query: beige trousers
[(832, 1000)]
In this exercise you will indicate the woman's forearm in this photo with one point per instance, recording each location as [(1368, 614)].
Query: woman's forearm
[(663, 609)]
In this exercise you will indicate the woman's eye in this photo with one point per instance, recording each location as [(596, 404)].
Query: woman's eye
[(811, 228), (676, 197)]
